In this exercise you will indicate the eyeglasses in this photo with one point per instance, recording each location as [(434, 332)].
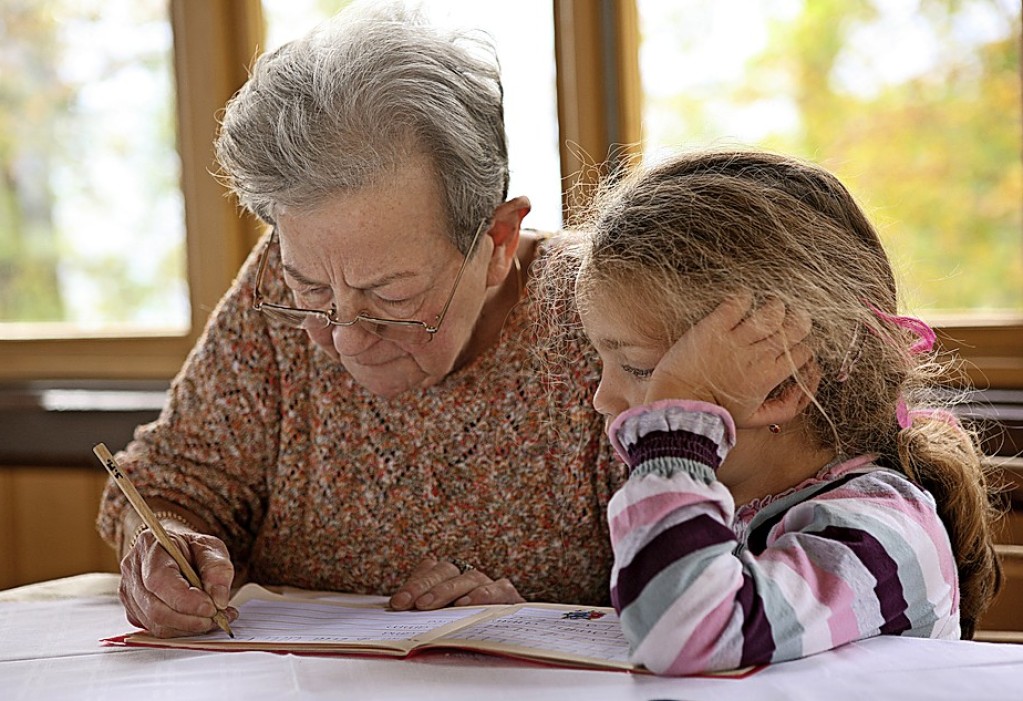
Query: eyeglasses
[(408, 331)]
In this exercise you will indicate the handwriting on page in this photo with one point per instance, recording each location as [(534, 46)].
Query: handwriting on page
[(306, 622), (594, 636)]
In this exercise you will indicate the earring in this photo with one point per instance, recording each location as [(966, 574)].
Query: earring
[(774, 428)]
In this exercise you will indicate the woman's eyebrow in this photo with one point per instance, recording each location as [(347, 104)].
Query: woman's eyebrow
[(386, 280), (298, 276)]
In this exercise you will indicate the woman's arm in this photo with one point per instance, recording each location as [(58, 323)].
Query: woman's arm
[(203, 463)]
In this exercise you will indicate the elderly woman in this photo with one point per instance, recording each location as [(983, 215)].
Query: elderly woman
[(373, 405)]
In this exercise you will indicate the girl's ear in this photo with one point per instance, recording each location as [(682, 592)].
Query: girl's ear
[(791, 397), (504, 232)]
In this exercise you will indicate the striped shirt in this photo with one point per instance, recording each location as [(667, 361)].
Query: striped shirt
[(854, 552)]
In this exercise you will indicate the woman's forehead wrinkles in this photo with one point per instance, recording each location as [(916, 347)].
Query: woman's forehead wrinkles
[(372, 283)]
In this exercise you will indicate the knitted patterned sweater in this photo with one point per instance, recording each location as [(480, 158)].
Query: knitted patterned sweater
[(855, 552), (314, 482)]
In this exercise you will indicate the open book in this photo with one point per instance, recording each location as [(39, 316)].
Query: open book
[(298, 621)]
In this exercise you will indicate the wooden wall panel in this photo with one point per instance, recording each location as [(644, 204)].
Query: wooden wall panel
[(8, 569), (48, 519), (1006, 612)]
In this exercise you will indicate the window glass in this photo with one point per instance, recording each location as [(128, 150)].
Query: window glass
[(523, 33), (914, 104), (91, 213)]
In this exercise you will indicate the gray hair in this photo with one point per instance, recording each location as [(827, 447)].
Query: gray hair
[(358, 97)]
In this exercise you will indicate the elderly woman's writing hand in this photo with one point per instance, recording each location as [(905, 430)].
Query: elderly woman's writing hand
[(438, 583), (156, 595)]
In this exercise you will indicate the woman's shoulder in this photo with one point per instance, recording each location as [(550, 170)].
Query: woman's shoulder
[(563, 245), (550, 291), (552, 273)]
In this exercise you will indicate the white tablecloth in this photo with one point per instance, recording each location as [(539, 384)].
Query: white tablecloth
[(49, 649)]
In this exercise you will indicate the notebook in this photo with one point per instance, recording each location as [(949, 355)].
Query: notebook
[(296, 621)]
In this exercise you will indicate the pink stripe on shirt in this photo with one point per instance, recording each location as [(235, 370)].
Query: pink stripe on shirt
[(651, 510)]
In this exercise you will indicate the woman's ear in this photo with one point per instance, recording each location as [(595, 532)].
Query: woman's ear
[(504, 231)]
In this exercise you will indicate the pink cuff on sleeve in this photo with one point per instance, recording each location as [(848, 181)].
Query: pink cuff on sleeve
[(666, 415)]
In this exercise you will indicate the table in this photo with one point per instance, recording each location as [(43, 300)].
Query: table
[(49, 649)]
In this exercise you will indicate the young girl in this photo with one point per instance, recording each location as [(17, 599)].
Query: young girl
[(789, 491)]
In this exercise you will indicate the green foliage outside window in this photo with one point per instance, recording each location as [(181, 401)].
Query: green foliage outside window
[(916, 106), (91, 221)]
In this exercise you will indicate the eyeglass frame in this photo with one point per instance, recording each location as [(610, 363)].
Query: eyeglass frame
[(259, 303)]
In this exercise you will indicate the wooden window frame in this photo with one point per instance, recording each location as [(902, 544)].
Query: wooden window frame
[(599, 113)]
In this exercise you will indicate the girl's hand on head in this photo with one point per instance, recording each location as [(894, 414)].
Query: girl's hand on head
[(736, 357)]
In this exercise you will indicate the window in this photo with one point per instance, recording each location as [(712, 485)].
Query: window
[(108, 111), (90, 172), (956, 60), (914, 105)]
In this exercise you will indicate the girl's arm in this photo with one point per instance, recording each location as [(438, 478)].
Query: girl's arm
[(867, 557)]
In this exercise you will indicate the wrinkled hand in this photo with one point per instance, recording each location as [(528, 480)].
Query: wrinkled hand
[(736, 358), (156, 595), (438, 583)]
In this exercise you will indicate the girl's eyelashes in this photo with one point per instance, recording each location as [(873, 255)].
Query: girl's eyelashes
[(641, 373)]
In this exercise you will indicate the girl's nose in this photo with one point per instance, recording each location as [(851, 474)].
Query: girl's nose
[(606, 401)]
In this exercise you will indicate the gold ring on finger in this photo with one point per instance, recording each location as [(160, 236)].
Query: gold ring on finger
[(462, 565)]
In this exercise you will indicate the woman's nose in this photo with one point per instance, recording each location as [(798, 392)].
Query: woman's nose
[(354, 339), (351, 340)]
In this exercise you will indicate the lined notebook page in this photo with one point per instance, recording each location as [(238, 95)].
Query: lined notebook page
[(582, 632), (547, 631), (261, 621)]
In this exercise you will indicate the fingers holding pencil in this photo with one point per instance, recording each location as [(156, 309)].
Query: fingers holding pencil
[(158, 598), (160, 588)]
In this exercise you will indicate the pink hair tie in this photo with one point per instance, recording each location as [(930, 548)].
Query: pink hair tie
[(926, 335), (924, 343), (905, 415), (926, 339), (902, 414)]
